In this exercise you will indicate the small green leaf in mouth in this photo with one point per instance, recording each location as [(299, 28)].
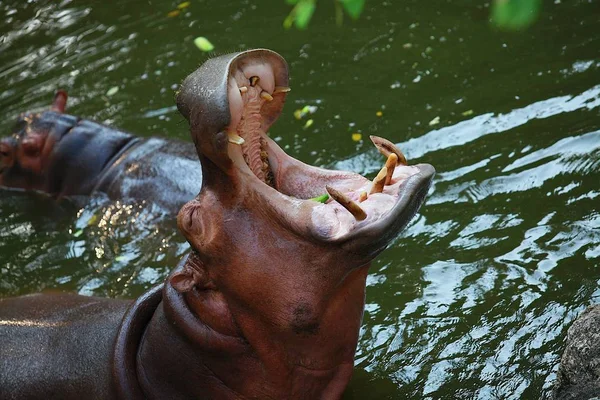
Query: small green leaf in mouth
[(321, 199)]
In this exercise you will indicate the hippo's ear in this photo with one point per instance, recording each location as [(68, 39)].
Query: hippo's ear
[(60, 101)]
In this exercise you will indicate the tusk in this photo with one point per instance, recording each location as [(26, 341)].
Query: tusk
[(243, 89), (235, 138), (266, 96), (254, 80), (386, 148), (390, 165), (363, 196), (281, 89), (347, 203), (379, 181)]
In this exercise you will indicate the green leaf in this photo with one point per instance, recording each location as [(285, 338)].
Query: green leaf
[(515, 14), (353, 7), (339, 14), (321, 199), (203, 44), (303, 13)]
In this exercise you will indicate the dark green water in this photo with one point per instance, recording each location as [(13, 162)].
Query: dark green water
[(474, 299)]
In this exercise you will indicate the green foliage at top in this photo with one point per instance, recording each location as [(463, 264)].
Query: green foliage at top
[(303, 11), (515, 14), (505, 14)]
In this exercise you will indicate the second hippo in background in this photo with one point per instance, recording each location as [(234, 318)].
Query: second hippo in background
[(66, 156)]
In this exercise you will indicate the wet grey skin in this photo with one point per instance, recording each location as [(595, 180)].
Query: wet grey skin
[(69, 157), (269, 302)]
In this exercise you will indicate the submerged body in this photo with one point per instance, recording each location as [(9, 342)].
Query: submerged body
[(269, 302), (66, 156)]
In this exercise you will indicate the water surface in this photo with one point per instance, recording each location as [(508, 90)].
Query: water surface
[(473, 300)]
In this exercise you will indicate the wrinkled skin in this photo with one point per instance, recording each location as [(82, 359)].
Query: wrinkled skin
[(66, 156), (268, 304)]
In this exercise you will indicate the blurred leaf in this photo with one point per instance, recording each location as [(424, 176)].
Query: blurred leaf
[(173, 13), (353, 7), (434, 121), (467, 113), (339, 14), (514, 14), (203, 44), (183, 5), (308, 124), (356, 137), (303, 13)]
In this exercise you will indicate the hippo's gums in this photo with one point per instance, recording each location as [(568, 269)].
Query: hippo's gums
[(65, 156), (268, 305)]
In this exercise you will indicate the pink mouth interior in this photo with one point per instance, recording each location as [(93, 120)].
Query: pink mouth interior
[(263, 161)]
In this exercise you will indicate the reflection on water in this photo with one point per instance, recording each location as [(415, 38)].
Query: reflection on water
[(474, 298)]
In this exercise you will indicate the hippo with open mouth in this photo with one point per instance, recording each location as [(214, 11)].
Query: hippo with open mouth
[(269, 302), (67, 156)]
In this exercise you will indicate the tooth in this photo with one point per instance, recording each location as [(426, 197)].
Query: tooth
[(386, 148), (347, 203), (379, 181), (390, 165), (266, 96), (363, 196), (254, 80), (243, 89), (235, 138), (281, 89)]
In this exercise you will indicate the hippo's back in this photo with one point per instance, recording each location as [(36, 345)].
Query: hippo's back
[(160, 171), (57, 346)]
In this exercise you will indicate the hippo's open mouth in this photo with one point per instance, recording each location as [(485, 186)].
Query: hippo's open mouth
[(255, 86)]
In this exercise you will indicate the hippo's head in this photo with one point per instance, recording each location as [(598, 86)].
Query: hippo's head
[(55, 152), (24, 155), (276, 278)]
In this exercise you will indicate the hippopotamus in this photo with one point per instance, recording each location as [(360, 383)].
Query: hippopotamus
[(269, 302), (69, 157)]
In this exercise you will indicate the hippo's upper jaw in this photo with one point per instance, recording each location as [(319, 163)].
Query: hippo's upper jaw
[(231, 101)]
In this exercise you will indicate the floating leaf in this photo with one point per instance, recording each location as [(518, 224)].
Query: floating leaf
[(379, 113), (356, 137), (183, 5), (112, 91), (308, 123), (353, 7), (434, 121), (203, 44), (321, 199), (514, 14), (78, 233), (173, 13), (467, 113), (298, 114)]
